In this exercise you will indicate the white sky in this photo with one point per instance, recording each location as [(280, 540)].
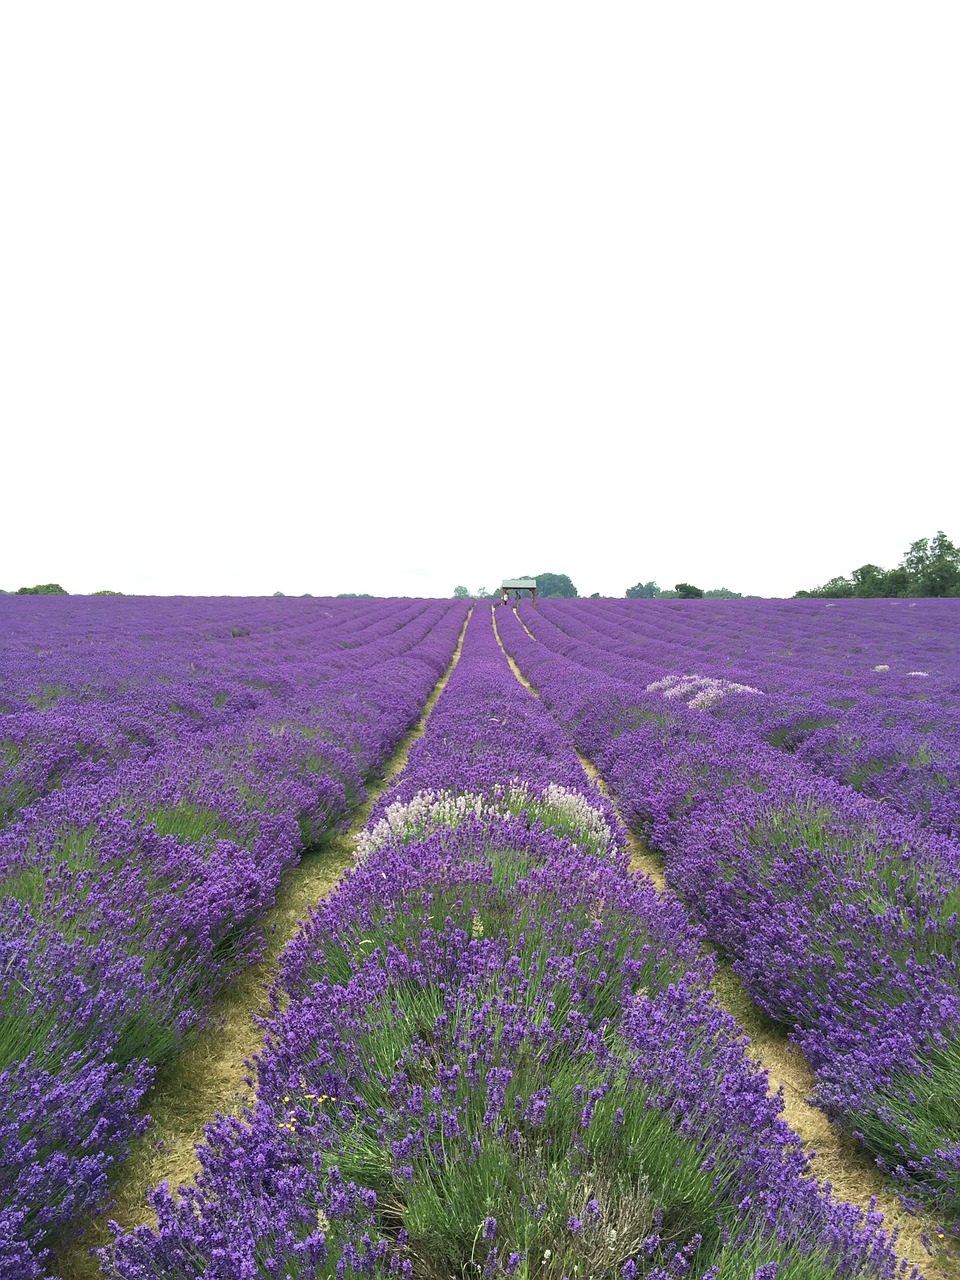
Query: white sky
[(389, 297)]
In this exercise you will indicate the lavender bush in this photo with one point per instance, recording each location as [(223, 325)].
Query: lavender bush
[(130, 897), (493, 1051), (839, 913)]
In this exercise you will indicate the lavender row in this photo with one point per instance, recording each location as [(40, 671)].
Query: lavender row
[(130, 901), (840, 916), (494, 1051), (900, 650), (100, 647), (869, 695), (86, 684)]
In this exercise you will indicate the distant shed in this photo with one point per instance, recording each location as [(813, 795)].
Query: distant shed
[(519, 584)]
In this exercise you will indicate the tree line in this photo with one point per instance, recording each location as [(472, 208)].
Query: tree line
[(682, 591), (558, 586), (50, 589), (930, 567), (550, 586)]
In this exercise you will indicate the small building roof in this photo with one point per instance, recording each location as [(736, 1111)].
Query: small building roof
[(518, 584)]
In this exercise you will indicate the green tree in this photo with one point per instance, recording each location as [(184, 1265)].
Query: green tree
[(685, 591), (838, 588), (722, 593), (930, 567), (917, 564), (868, 581), (933, 567), (897, 582), (461, 593), (47, 589), (553, 586), (643, 591)]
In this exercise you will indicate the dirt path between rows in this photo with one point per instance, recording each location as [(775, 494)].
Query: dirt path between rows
[(525, 627), (838, 1158), (212, 1074)]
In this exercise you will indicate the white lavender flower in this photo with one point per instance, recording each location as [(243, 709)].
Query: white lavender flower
[(699, 692), (557, 808)]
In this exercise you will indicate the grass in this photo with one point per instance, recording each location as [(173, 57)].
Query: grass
[(190, 823), (906, 919), (629, 719), (915, 1117), (62, 890), (788, 737), (47, 695), (885, 877), (15, 793)]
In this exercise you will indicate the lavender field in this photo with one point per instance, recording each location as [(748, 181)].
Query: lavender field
[(494, 1048)]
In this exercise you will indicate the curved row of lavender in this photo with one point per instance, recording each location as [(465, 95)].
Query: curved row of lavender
[(493, 1051), (86, 683), (839, 913), (865, 691), (129, 900)]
